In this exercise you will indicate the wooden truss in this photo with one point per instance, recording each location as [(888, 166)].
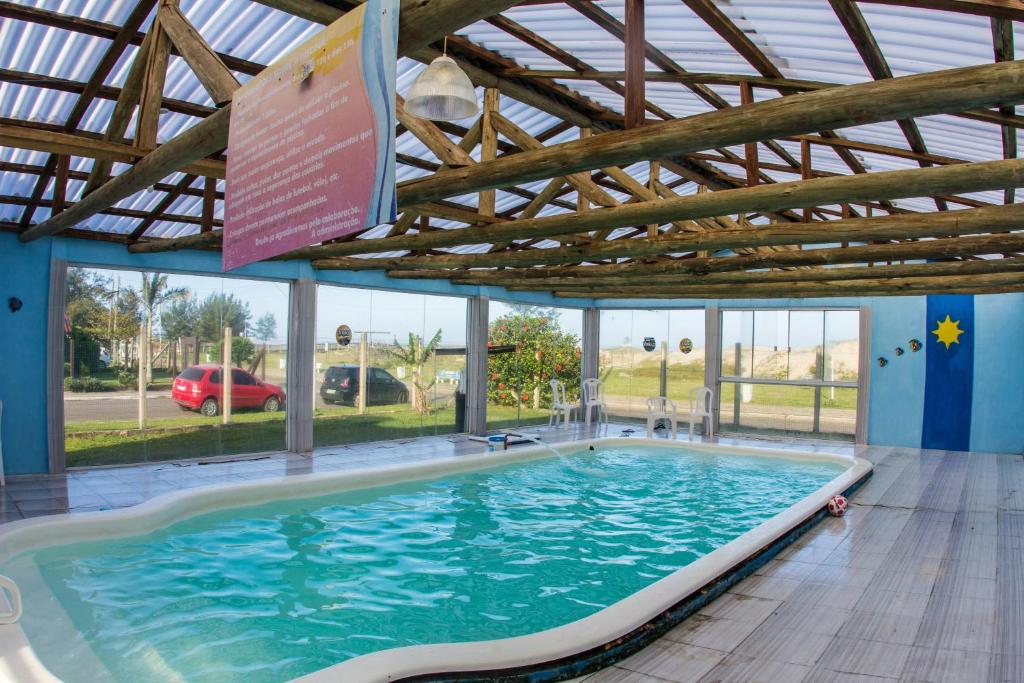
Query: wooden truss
[(624, 232)]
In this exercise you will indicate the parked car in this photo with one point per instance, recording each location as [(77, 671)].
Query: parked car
[(341, 385), (198, 388)]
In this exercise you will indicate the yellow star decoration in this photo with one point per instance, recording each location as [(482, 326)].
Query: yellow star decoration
[(948, 331)]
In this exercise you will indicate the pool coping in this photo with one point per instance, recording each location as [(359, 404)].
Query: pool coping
[(555, 654)]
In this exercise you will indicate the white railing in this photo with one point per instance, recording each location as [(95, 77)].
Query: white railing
[(15, 599)]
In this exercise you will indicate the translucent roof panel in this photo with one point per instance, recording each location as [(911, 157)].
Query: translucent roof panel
[(803, 39)]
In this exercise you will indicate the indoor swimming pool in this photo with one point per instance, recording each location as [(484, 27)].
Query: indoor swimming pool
[(490, 548)]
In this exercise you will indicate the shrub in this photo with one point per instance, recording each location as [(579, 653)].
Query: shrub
[(242, 351), (127, 378), (83, 384)]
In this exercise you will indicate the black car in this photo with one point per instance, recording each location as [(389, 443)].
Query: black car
[(341, 385)]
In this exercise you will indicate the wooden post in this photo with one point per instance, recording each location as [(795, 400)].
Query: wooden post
[(60, 184), (152, 87), (209, 198), (363, 360), (652, 183), (488, 145), (635, 43), (582, 203), (143, 366), (225, 377), (805, 171), (749, 148)]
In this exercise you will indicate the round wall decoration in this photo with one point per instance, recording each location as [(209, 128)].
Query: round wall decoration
[(343, 335), (686, 345), (649, 344)]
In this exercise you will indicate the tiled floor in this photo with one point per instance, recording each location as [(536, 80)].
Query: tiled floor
[(923, 580)]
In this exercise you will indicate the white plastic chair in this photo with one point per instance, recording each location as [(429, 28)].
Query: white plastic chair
[(700, 407), (559, 406), (593, 397), (661, 408)]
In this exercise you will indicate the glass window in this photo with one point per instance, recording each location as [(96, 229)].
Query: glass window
[(411, 348), (530, 347), (192, 374), (242, 378), (806, 338), (771, 345), (648, 353), (737, 343), (842, 348), (171, 326), (803, 371)]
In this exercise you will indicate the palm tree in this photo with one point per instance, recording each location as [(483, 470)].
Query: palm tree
[(416, 354), (156, 293)]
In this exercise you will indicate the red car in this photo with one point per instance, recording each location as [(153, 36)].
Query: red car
[(198, 388)]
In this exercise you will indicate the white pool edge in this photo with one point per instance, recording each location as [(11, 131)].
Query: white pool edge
[(19, 663)]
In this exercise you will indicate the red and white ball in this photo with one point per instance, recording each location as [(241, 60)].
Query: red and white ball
[(837, 506)]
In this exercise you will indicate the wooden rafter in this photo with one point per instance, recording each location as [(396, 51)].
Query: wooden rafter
[(864, 40), (107, 62), (1002, 45)]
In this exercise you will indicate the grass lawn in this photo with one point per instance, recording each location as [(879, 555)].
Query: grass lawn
[(252, 432)]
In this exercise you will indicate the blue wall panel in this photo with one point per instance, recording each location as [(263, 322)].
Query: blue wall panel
[(949, 372), (25, 274), (998, 409), (896, 403)]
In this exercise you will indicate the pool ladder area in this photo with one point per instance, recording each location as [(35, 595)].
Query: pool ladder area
[(12, 589)]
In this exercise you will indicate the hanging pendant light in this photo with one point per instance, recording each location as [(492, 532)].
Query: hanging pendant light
[(442, 92)]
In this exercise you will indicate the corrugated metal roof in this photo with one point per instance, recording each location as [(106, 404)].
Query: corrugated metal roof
[(803, 39)]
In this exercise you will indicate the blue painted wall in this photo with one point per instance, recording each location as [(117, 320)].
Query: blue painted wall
[(896, 403), (24, 273), (998, 410), (896, 410)]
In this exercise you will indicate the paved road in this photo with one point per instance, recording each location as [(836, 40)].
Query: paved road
[(123, 405)]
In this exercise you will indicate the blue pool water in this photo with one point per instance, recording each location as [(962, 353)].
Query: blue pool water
[(274, 591)]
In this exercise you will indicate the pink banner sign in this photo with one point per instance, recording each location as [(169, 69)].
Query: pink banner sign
[(311, 153)]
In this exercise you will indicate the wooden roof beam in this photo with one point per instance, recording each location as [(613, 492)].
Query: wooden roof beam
[(419, 25), (103, 68), (917, 95), (898, 226), (948, 247)]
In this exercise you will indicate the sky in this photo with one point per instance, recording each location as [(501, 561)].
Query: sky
[(390, 315)]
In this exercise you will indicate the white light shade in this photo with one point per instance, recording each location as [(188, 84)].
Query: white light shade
[(442, 92)]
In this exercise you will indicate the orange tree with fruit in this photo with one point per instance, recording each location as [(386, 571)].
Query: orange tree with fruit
[(543, 352)]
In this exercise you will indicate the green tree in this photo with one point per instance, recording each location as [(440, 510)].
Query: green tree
[(154, 293), (242, 351), (416, 354), (265, 328), (544, 352), (87, 315), (180, 318), (220, 310)]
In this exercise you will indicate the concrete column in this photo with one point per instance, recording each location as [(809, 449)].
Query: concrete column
[(55, 366), (590, 363), (713, 360), (863, 375), (301, 363), (476, 365)]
